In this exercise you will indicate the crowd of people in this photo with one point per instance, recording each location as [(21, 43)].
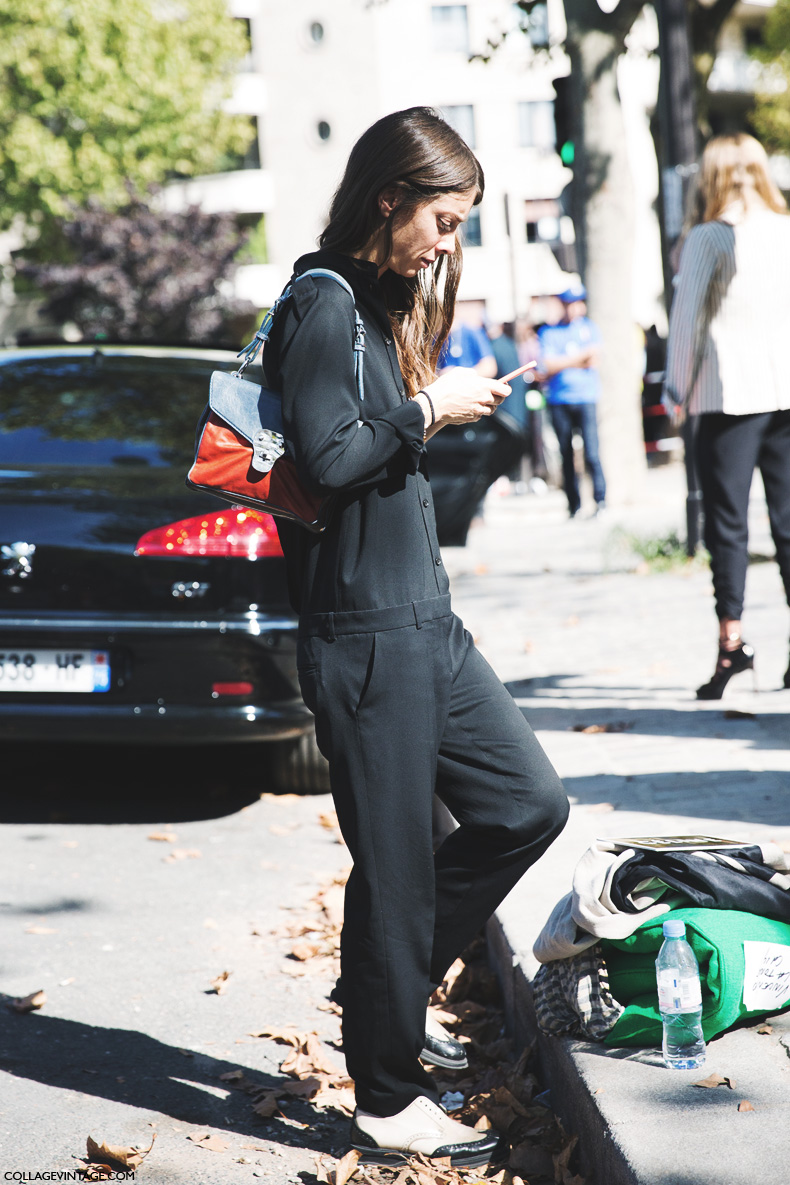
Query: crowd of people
[(563, 389)]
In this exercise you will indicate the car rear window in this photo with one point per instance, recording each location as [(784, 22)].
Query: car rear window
[(102, 411)]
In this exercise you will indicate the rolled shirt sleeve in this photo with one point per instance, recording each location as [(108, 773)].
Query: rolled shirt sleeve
[(334, 446)]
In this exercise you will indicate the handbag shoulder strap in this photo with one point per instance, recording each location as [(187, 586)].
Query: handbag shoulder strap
[(250, 352)]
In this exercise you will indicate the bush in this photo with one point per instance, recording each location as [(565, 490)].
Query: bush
[(140, 274)]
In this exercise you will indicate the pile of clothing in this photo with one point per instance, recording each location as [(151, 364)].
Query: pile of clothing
[(598, 947)]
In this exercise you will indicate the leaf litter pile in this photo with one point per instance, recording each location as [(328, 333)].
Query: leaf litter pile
[(499, 1088)]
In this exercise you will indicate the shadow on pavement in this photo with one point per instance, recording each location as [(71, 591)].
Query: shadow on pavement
[(57, 783), (742, 796), (129, 1067), (762, 729)]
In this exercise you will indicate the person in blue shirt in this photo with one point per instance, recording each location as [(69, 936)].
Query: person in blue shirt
[(468, 346), (569, 353)]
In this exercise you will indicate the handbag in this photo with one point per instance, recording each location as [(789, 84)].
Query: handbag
[(241, 454)]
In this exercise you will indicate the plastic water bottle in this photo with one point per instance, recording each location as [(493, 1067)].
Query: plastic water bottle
[(680, 999)]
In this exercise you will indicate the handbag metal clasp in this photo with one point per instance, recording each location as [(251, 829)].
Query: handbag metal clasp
[(267, 447)]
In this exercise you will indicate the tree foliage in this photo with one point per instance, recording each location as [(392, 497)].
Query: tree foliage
[(771, 114), (139, 274), (95, 93)]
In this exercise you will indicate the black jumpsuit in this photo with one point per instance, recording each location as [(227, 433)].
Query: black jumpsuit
[(404, 703)]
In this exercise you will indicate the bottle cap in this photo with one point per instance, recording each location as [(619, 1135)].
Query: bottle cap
[(674, 928)]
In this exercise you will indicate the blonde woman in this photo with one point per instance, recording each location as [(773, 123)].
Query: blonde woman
[(727, 364)]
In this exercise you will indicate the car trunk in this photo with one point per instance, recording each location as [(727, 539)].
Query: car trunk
[(94, 450)]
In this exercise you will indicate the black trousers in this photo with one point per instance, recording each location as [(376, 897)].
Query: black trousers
[(405, 705), (729, 448)]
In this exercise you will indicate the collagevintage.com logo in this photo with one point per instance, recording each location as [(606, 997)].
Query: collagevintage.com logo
[(26, 1175)]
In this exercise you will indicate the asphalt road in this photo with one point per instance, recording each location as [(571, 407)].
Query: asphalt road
[(126, 933)]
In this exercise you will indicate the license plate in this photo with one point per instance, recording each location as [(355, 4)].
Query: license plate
[(54, 670)]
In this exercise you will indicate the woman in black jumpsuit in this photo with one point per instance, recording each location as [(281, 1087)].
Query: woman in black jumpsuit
[(404, 704)]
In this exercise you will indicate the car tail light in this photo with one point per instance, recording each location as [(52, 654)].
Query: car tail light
[(218, 689), (235, 531)]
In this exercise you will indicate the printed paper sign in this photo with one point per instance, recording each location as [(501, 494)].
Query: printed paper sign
[(766, 981)]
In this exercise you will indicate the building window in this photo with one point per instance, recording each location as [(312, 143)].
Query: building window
[(471, 233), (246, 65), (462, 119), (538, 25), (323, 130), (450, 27), (542, 220), (250, 159), (316, 32), (536, 128)]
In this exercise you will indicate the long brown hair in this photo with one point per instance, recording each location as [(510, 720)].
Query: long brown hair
[(726, 162), (419, 153)]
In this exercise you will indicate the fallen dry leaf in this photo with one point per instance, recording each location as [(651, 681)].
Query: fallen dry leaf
[(128, 1157), (94, 1172), (765, 1029), (332, 901), (745, 1105), (208, 1141), (163, 836), (328, 819), (715, 1080), (232, 1076), (27, 1003), (532, 1160), (219, 985), (337, 1098), (562, 1159), (344, 1169), (267, 1106), (303, 1088), (282, 1036), (307, 1058), (40, 930), (182, 854), (305, 950)]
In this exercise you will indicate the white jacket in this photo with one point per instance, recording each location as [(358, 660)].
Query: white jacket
[(729, 329)]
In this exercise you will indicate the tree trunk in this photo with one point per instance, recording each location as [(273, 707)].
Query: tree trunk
[(604, 216)]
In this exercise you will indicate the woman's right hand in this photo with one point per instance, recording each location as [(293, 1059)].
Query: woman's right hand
[(462, 395)]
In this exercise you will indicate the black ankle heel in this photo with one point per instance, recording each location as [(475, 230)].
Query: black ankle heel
[(740, 659)]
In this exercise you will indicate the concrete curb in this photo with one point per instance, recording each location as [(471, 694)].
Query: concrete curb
[(602, 1160)]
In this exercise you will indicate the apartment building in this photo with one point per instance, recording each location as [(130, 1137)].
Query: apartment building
[(320, 71)]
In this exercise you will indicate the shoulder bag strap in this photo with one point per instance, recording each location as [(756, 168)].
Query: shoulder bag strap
[(250, 352)]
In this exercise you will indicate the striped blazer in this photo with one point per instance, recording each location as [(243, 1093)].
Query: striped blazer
[(729, 329)]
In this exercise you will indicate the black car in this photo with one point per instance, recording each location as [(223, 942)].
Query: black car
[(133, 608)]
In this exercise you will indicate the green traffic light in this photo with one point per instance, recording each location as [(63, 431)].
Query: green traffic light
[(567, 153)]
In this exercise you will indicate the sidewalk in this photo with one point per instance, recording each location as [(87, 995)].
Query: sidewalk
[(581, 639)]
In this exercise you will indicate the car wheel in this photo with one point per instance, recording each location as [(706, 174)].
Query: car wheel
[(300, 767)]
